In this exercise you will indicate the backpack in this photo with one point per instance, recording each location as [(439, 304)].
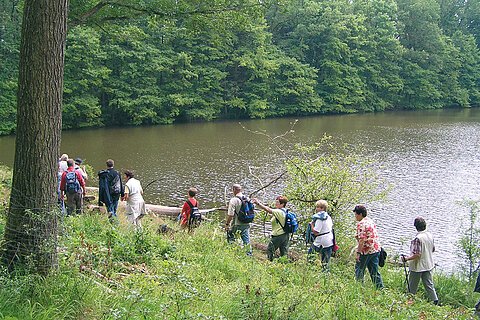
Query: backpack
[(195, 215), (115, 187), (291, 223), (382, 257), (246, 212), (72, 185)]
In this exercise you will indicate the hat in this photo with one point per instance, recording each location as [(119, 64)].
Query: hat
[(78, 161), (359, 209)]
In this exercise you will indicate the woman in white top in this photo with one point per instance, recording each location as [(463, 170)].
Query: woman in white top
[(322, 228), (135, 209)]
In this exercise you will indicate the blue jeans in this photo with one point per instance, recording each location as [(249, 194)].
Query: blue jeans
[(326, 254), (244, 230), (369, 261), (112, 207)]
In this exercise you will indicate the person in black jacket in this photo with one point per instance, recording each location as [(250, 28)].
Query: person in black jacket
[(110, 188)]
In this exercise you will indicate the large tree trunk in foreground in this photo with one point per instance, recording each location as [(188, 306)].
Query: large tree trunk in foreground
[(31, 228)]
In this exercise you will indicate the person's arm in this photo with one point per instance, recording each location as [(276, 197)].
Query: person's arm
[(126, 193), (230, 213), (84, 173), (416, 250), (360, 239), (81, 181), (316, 227), (261, 205)]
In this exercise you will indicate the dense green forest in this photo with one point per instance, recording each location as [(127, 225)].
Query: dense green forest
[(162, 61)]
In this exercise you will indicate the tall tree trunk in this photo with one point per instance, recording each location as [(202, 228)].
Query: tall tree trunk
[(31, 228)]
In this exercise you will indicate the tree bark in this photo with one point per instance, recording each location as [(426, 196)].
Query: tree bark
[(31, 227)]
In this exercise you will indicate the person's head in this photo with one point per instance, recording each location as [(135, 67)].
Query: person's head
[(78, 161), (236, 188), (70, 163), (281, 202), (420, 224), (110, 163), (360, 212), (192, 192), (129, 174), (321, 205), (64, 157)]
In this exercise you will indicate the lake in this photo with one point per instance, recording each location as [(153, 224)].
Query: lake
[(430, 158)]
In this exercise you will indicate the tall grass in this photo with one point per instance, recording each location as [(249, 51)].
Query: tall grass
[(111, 272)]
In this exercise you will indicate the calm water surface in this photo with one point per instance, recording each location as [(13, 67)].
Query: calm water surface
[(431, 159)]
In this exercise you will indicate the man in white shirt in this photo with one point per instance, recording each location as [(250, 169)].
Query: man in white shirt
[(421, 260)]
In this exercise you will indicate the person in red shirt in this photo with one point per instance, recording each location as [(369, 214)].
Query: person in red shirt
[(72, 185), (187, 208)]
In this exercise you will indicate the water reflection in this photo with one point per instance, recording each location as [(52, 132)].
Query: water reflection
[(429, 157)]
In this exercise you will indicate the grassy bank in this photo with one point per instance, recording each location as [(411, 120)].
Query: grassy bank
[(111, 272)]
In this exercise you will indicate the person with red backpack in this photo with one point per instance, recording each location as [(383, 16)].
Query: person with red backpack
[(190, 216), (73, 186)]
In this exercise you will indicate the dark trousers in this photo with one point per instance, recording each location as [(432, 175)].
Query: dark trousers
[(369, 261), (326, 254), (74, 202), (278, 242)]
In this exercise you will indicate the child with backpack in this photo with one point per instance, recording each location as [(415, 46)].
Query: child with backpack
[(190, 216), (280, 238), (322, 229)]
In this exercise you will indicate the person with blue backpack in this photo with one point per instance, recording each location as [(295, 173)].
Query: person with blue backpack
[(240, 211), (73, 186), (280, 237), (322, 228)]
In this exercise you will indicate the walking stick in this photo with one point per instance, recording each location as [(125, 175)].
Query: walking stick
[(406, 273)]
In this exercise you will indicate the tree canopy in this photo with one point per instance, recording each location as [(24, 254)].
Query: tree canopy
[(161, 61)]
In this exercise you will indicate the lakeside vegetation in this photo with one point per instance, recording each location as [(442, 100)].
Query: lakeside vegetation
[(159, 62), (109, 271)]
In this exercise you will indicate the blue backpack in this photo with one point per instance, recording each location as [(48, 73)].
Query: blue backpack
[(309, 236), (291, 222), (72, 185), (246, 214)]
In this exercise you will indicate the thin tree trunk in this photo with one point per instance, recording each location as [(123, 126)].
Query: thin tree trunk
[(31, 228)]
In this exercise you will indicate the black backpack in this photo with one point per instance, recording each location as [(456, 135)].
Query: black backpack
[(246, 214), (116, 186), (72, 185), (195, 215)]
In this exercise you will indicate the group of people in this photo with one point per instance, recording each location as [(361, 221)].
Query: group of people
[(368, 247), (72, 185)]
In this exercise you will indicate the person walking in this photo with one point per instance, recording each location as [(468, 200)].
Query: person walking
[(368, 248), (135, 208), (73, 186), (420, 260), (322, 229), (110, 188), (243, 228), (187, 209), (81, 169), (279, 238)]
